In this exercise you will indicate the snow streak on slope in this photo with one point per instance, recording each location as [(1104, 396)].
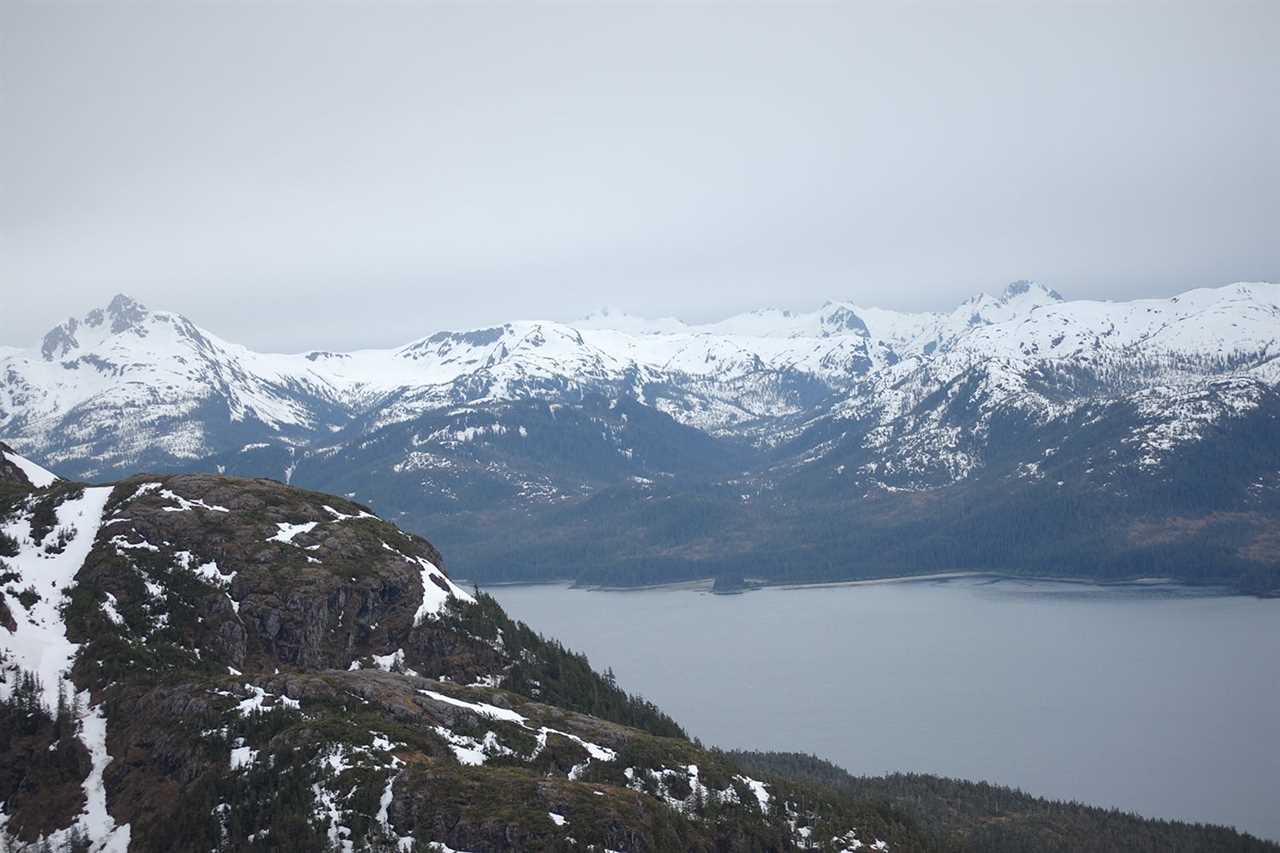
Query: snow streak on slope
[(39, 477), (40, 643)]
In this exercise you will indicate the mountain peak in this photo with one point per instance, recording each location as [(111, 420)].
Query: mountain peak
[(838, 318), (1024, 286), (619, 320), (123, 312), (60, 340)]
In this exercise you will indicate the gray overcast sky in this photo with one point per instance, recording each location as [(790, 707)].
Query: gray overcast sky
[(295, 176)]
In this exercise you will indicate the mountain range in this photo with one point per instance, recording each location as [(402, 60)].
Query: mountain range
[(1018, 433)]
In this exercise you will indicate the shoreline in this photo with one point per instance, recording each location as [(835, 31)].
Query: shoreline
[(705, 584)]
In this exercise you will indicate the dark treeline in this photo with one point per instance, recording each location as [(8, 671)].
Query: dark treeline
[(545, 670), (42, 762), (977, 817)]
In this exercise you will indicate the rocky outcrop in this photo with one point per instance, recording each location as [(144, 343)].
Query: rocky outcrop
[(275, 577), (60, 340)]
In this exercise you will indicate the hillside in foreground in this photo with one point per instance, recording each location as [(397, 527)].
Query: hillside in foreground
[(196, 662)]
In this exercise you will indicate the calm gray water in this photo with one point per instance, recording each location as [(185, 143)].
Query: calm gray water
[(1156, 701)]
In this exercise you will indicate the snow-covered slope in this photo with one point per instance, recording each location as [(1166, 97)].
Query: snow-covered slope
[(19, 469), (36, 642)]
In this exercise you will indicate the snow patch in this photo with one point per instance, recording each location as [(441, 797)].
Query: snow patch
[(434, 597), (285, 531)]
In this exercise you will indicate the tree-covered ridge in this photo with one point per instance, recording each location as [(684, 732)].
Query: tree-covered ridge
[(543, 669), (957, 816)]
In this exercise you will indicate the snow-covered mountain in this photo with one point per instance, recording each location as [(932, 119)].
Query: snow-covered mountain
[(844, 400)]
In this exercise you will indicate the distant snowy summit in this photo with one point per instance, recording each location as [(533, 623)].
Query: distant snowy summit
[(838, 317)]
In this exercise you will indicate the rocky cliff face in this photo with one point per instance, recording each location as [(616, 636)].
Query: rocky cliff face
[(206, 663)]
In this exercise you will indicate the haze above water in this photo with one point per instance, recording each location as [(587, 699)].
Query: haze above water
[(1153, 700)]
